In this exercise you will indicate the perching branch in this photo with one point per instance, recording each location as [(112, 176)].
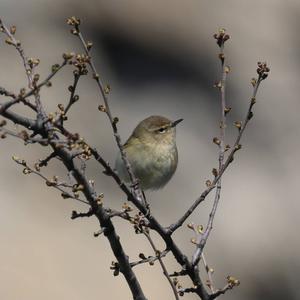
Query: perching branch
[(155, 225)]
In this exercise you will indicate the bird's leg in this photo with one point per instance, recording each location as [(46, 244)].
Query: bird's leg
[(146, 204), (144, 196), (141, 196), (138, 192)]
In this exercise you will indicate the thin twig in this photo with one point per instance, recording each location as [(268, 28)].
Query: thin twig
[(113, 121), (19, 98), (44, 162), (183, 291), (47, 79), (58, 187), (180, 273), (220, 292), (209, 273), (29, 70), (229, 159), (17, 45), (158, 254), (32, 83), (7, 93), (22, 136), (122, 214), (73, 90), (231, 283), (87, 214), (221, 142), (150, 259), (236, 146)]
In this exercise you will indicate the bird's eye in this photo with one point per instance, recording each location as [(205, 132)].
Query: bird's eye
[(162, 130)]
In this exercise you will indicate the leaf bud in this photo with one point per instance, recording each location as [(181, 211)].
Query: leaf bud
[(238, 124), (216, 141)]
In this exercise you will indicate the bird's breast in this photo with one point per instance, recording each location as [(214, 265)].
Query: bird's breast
[(153, 165)]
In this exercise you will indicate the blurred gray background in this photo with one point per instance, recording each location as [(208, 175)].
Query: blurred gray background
[(160, 58)]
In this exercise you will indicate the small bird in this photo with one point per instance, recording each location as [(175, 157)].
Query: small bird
[(152, 153)]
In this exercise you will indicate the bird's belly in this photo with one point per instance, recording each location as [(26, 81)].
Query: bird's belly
[(154, 171)]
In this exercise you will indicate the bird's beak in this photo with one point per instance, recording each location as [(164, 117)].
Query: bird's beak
[(174, 123)]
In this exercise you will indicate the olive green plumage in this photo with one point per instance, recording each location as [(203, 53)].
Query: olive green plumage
[(152, 152)]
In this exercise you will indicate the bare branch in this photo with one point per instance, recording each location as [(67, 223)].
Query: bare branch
[(229, 159), (72, 89), (76, 215), (7, 93), (113, 120), (209, 272), (149, 259), (49, 182), (55, 69), (44, 162), (231, 283), (105, 222), (19, 98), (221, 39), (236, 146), (7, 105), (17, 44), (165, 272)]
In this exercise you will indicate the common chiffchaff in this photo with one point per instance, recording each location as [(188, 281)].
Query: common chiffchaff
[(152, 153)]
